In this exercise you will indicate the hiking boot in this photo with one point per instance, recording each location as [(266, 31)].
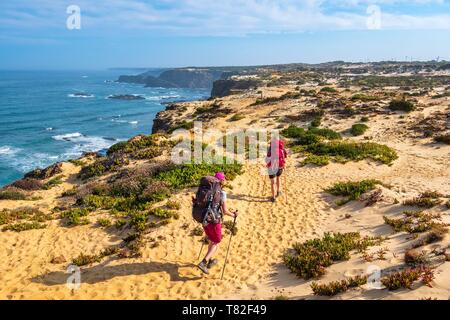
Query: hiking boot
[(272, 199), (279, 193), (212, 263), (203, 266)]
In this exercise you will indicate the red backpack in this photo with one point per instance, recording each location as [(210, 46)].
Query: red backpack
[(280, 150), (206, 204)]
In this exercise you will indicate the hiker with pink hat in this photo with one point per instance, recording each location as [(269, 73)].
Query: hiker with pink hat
[(209, 206)]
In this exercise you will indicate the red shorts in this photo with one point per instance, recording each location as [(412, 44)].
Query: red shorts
[(213, 232)]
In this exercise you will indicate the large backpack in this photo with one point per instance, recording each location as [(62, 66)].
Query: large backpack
[(280, 154), (206, 205)]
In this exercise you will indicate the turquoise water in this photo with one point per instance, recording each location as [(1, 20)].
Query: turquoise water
[(42, 121)]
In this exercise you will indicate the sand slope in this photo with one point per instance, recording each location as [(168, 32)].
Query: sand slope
[(265, 231)]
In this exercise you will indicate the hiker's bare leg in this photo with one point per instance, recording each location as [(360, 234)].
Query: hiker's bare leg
[(272, 185), (278, 185), (212, 248)]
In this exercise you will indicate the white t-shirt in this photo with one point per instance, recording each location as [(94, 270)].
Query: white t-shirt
[(223, 196)]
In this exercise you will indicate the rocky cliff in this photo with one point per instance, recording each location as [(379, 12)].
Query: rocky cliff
[(176, 78), (222, 88)]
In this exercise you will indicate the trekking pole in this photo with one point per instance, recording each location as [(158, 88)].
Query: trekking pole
[(201, 249), (228, 250)]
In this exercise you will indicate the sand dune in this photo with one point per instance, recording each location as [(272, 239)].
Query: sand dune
[(265, 232)]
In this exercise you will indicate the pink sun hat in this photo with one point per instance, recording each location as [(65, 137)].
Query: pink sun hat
[(220, 176)]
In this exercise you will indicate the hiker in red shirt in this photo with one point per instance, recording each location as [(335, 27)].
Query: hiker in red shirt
[(276, 161), (213, 229)]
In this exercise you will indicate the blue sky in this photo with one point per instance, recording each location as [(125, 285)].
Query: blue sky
[(172, 33)]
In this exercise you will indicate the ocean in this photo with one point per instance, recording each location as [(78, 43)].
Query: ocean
[(44, 119)]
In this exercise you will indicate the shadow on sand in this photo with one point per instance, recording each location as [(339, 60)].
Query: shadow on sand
[(103, 272)]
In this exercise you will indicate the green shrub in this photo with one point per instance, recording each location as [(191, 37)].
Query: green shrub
[(354, 151), (102, 166), (352, 190), (186, 125), (70, 193), (77, 162), (414, 222), (139, 220), (164, 213), (104, 222), (316, 160), (406, 278), (75, 216), (401, 105), (120, 223), (24, 226), (174, 205), (140, 147), (424, 200), (316, 122), (293, 132), (23, 213), (85, 259), (363, 97), (10, 194), (359, 129), (312, 257), (230, 227), (53, 182), (237, 117), (445, 138), (365, 119), (326, 133), (188, 175), (336, 287), (328, 90), (148, 153)]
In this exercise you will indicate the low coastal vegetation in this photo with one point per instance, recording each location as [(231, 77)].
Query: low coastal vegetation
[(352, 190), (358, 129), (406, 278), (427, 199), (402, 105), (415, 222), (444, 138), (23, 218), (309, 259), (286, 96), (86, 259), (326, 142), (335, 287), (364, 97), (237, 117), (53, 182), (12, 194)]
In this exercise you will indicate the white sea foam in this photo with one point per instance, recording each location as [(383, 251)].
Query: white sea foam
[(157, 98), (133, 122), (83, 96), (49, 129), (68, 136), (7, 150), (83, 143)]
